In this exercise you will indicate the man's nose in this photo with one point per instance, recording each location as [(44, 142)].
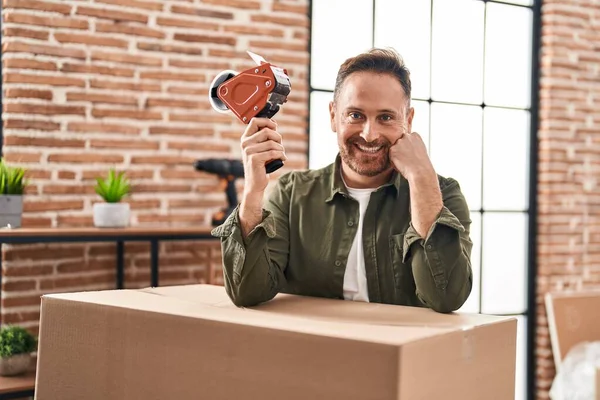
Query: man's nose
[(369, 132)]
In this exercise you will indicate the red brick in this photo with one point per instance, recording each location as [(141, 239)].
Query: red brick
[(28, 33), (172, 130), (201, 12), (126, 114), (199, 146), (124, 144), (43, 109), (19, 47), (291, 7), (134, 30), (112, 14), (85, 158), (253, 30), (187, 23), (102, 98), (13, 77), (29, 93), (218, 39), (242, 4), (171, 103), (93, 40), (38, 5), (97, 69), (43, 142), (126, 58), (279, 20), (173, 76), (166, 160), (51, 22), (169, 48), (136, 87), (99, 127), (145, 5), (20, 63)]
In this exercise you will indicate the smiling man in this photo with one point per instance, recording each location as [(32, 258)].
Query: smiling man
[(378, 225)]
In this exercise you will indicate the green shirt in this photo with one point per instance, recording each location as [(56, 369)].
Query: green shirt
[(309, 223)]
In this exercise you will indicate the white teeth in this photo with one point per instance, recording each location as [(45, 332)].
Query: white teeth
[(369, 149)]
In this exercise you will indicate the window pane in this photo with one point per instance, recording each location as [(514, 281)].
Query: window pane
[(472, 303), (457, 54), (456, 147), (521, 367), (421, 120), (504, 263), (339, 31), (508, 56), (505, 159), (405, 26), (323, 145), (521, 2)]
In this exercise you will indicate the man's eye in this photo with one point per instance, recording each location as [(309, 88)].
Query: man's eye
[(386, 117), (354, 115)]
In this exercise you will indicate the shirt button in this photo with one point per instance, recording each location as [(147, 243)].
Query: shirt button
[(338, 263), (429, 247), (350, 223)]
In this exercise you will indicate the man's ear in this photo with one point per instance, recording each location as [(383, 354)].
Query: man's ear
[(411, 114), (332, 116)]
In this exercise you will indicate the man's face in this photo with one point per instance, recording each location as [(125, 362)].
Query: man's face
[(369, 115)]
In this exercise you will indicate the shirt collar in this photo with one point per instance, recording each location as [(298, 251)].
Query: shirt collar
[(338, 186)]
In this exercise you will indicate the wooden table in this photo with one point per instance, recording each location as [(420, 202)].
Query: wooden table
[(17, 387), (152, 234)]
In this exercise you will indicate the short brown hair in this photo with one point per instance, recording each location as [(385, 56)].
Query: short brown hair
[(384, 61)]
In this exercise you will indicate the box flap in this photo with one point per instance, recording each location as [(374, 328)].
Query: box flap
[(333, 310), (379, 323), (572, 319)]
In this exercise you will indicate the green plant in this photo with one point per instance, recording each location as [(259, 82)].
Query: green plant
[(114, 187), (16, 340), (12, 179)]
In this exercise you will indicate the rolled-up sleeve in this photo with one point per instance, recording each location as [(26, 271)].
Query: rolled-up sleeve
[(441, 262), (254, 267)]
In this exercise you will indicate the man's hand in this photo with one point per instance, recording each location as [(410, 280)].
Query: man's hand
[(409, 157), (260, 144)]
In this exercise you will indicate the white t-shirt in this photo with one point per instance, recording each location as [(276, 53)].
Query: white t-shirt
[(355, 277)]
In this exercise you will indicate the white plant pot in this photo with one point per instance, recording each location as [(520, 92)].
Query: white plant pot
[(11, 210), (15, 365), (111, 215)]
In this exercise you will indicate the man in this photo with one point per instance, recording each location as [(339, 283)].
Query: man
[(377, 225)]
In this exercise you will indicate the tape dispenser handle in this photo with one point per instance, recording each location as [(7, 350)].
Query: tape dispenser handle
[(273, 166)]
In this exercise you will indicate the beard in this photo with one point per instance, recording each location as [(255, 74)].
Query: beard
[(366, 158)]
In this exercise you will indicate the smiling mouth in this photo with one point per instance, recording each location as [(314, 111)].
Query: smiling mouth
[(369, 149)]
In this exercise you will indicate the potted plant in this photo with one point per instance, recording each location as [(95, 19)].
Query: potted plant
[(112, 213), (16, 346), (12, 186)]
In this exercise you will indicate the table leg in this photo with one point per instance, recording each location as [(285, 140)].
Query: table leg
[(154, 262), (120, 265)]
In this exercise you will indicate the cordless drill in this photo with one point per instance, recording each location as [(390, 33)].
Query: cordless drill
[(227, 171)]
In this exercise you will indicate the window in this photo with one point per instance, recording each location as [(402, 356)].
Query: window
[(472, 91)]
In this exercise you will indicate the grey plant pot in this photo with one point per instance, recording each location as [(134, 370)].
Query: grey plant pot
[(15, 365), (11, 210)]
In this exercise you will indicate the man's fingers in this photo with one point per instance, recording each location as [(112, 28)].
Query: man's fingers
[(264, 146), (256, 124), (263, 135)]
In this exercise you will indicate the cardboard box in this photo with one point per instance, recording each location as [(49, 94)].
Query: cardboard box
[(572, 319), (191, 342)]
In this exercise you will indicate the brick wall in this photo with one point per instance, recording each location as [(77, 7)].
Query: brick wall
[(89, 85), (569, 164)]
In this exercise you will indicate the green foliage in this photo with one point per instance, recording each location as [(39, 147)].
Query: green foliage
[(114, 187), (16, 340), (12, 179)]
